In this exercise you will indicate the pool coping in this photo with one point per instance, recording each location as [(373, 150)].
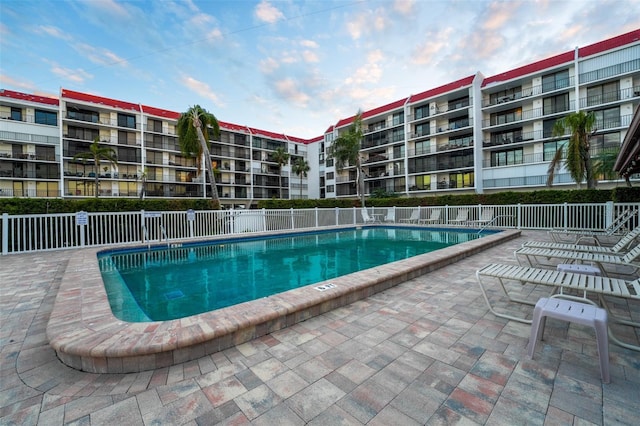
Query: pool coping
[(87, 336)]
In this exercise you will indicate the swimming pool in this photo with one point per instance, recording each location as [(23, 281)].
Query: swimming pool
[(85, 334), (177, 282)]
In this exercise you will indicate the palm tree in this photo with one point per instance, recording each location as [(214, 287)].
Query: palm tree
[(300, 168), (280, 156), (345, 150), (193, 134), (143, 180), (98, 153), (578, 159)]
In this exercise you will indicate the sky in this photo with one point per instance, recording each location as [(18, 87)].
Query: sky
[(286, 66)]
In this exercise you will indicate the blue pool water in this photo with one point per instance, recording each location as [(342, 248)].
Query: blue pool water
[(193, 278)]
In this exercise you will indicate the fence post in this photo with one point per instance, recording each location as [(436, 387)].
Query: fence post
[(566, 215), (316, 211), (5, 233), (293, 223), (608, 213), (264, 219), (519, 216)]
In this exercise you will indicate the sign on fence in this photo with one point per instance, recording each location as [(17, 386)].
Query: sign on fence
[(191, 215), (152, 214), (82, 218)]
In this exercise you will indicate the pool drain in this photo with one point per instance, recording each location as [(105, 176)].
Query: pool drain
[(174, 295)]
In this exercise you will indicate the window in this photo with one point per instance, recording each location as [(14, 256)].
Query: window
[(329, 162), (511, 136), (555, 81), (125, 120), (505, 95), (421, 112), (423, 147), (547, 128), (16, 114), (461, 141), (507, 157), (331, 188), (461, 180), (607, 118), (379, 125), (422, 129), (556, 104), (506, 116), (330, 176), (129, 138), (82, 115), (604, 141), (49, 118), (398, 151), (458, 103), (550, 149), (397, 135), (398, 118), (603, 93), (423, 182)]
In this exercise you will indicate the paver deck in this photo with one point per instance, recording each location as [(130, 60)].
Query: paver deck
[(427, 351)]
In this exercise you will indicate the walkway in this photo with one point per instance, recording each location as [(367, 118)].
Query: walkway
[(424, 352)]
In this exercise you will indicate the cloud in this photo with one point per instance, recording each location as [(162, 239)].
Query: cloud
[(309, 43), (432, 49), (201, 89), (404, 7), (111, 7), (289, 90), (310, 56), (53, 32), (269, 65), (6, 80), (77, 75), (267, 13), (100, 56)]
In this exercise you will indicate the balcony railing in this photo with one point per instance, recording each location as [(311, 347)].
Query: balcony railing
[(611, 71)]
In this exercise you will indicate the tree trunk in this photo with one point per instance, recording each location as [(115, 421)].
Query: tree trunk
[(207, 159), (360, 181)]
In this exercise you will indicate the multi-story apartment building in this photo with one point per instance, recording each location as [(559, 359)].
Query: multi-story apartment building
[(39, 138), (475, 134), (493, 133)]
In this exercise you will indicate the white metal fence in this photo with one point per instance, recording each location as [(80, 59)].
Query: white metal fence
[(29, 233)]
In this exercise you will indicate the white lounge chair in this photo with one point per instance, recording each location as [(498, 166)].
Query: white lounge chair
[(620, 248), (626, 261), (615, 227), (562, 282), (461, 218), (415, 216), (365, 216), (391, 215), (434, 218), (485, 217)]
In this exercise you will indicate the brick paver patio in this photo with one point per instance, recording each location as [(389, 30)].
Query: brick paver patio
[(424, 352)]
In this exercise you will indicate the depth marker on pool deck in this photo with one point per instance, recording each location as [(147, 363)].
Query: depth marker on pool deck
[(325, 287)]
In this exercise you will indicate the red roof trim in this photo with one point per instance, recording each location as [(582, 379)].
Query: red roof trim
[(99, 100), (551, 62), (370, 113), (268, 134), (449, 87), (27, 97), (609, 44), (384, 108), (158, 112), (233, 127)]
